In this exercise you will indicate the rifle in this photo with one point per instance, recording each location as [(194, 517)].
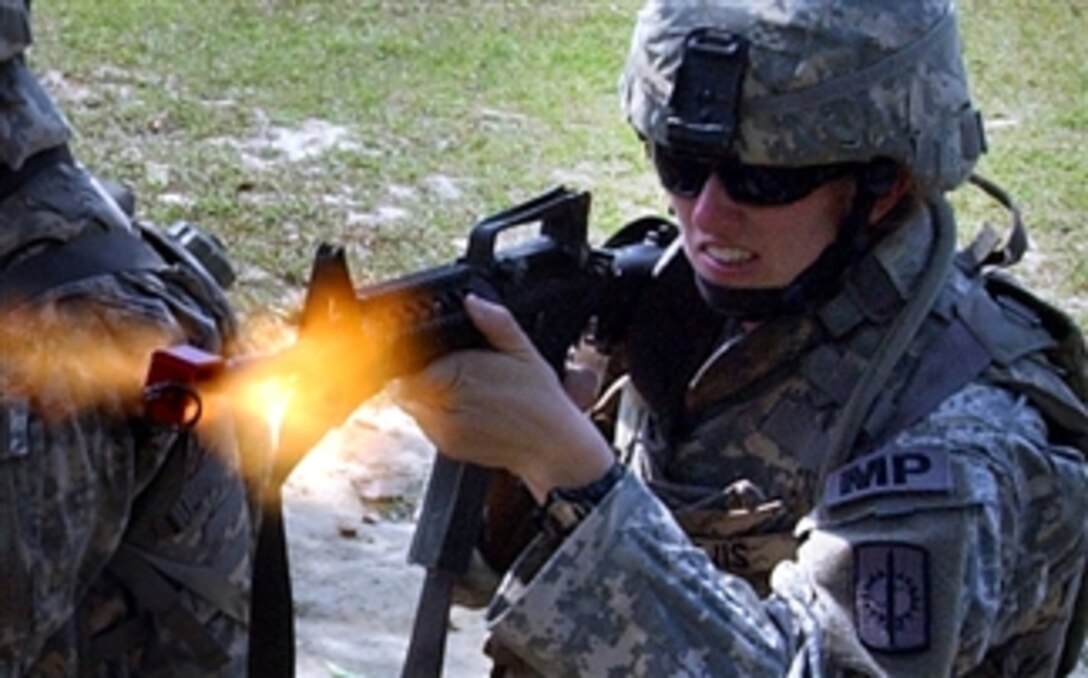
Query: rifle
[(558, 287)]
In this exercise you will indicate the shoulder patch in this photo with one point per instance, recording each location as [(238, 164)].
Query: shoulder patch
[(891, 596), (891, 471)]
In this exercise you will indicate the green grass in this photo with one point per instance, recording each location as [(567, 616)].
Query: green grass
[(1029, 66), (497, 98)]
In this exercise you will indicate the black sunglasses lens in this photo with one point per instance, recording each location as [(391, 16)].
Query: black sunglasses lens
[(681, 174), (684, 175), (770, 186), (767, 186)]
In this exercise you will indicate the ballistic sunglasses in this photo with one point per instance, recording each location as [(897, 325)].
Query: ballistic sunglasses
[(685, 174)]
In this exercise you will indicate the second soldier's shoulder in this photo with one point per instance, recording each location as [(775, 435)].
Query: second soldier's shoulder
[(54, 206)]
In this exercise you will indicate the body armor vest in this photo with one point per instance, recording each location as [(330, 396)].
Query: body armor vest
[(734, 435)]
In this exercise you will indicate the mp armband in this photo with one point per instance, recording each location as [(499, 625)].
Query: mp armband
[(565, 508)]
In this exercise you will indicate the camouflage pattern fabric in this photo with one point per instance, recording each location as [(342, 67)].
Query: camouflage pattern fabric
[(14, 28), (953, 548), (82, 482), (826, 82), (29, 121)]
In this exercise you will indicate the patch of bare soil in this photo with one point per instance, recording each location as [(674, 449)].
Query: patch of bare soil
[(349, 512)]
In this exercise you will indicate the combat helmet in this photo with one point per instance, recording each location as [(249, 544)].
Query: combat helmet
[(806, 82)]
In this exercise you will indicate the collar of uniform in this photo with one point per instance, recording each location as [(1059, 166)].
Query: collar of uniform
[(874, 291), (878, 286), (745, 359)]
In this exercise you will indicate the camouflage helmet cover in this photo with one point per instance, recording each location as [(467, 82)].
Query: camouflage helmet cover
[(826, 81)]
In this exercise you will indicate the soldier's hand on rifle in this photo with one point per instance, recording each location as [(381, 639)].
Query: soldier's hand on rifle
[(505, 408)]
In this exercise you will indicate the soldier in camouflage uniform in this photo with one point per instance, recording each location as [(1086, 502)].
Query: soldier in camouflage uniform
[(847, 450), (124, 548)]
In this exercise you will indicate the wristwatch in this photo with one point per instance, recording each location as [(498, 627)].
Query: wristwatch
[(565, 507)]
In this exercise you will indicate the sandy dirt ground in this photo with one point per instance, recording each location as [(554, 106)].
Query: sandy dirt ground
[(349, 510)]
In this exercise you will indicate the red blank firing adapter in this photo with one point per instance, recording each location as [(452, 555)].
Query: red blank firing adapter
[(171, 396)]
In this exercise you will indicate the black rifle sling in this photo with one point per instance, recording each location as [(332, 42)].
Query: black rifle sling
[(445, 538), (271, 617)]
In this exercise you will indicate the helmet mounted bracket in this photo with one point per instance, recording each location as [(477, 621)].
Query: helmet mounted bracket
[(704, 109)]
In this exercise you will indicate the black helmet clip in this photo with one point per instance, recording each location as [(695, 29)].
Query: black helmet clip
[(704, 109)]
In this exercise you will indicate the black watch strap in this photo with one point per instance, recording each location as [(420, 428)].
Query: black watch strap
[(565, 507)]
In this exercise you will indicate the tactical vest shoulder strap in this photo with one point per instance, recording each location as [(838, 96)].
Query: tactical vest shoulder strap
[(844, 435), (959, 361), (1067, 350), (12, 180), (159, 596), (980, 329), (90, 254)]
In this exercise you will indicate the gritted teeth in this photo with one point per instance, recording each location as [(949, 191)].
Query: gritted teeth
[(729, 255)]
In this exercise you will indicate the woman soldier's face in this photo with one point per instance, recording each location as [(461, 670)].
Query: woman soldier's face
[(748, 246)]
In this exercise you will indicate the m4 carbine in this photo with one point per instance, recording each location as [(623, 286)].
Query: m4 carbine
[(560, 289)]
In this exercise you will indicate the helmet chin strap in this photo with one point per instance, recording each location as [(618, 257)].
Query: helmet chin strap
[(815, 283)]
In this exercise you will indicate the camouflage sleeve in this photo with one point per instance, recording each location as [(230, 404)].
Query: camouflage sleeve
[(628, 594), (964, 535), (71, 460), (917, 580)]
